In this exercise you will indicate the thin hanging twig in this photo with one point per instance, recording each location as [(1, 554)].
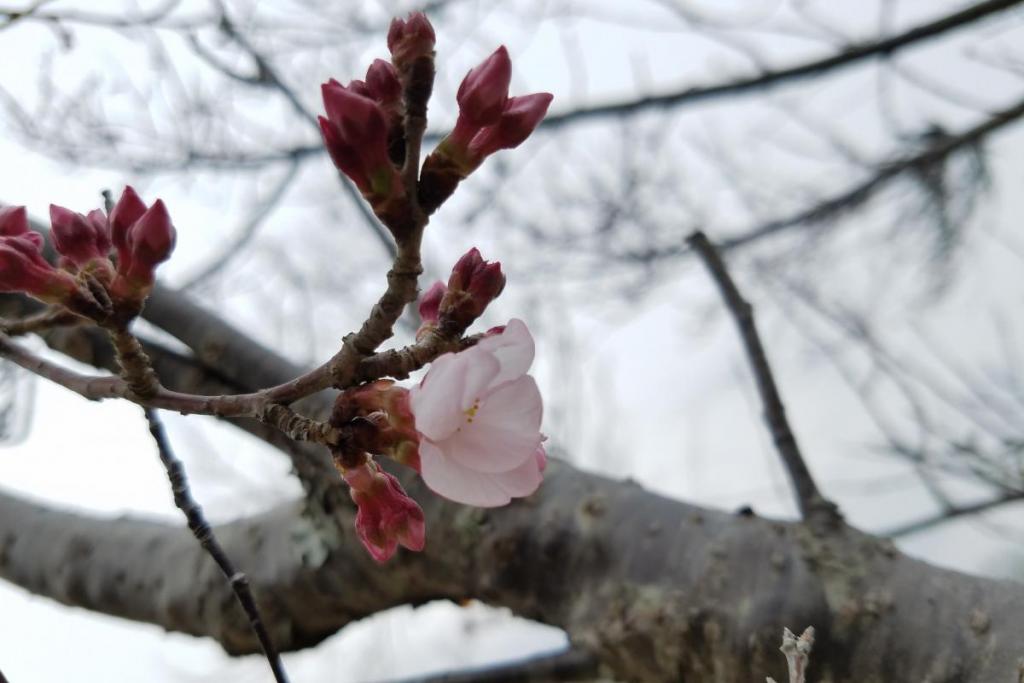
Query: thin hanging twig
[(204, 534)]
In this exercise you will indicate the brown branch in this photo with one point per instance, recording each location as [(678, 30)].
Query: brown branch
[(810, 502), (659, 590), (204, 534), (862, 192), (853, 54), (39, 322), (569, 665)]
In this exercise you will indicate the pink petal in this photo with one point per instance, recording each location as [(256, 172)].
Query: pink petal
[(436, 401), (514, 406), (514, 348), (453, 481), (488, 449), (452, 384), (523, 480)]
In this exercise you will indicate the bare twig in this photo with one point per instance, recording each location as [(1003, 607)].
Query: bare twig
[(40, 322), (809, 499), (853, 54), (953, 512), (798, 654), (204, 534)]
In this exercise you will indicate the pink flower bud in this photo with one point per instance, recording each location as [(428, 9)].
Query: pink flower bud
[(473, 285), (464, 268), (518, 120), (430, 302), (387, 516), (484, 90), (356, 136), (382, 83), (23, 268), (14, 220), (151, 241), (410, 38), (129, 208), (77, 238), (359, 87)]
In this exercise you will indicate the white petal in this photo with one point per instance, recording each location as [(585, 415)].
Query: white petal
[(437, 401), (490, 449), (516, 406), (453, 481), (480, 369), (523, 480), (514, 348)]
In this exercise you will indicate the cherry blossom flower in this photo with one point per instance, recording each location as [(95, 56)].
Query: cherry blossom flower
[(479, 414)]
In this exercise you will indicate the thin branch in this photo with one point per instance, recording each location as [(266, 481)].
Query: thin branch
[(860, 193), (853, 54), (953, 512), (568, 665), (204, 534), (257, 216), (811, 503)]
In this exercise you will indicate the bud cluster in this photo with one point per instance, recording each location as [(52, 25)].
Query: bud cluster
[(364, 126), (86, 280), (489, 120)]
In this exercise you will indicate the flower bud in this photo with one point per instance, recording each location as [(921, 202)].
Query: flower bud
[(382, 83), (23, 268), (519, 118), (473, 285), (387, 517), (14, 221), (129, 208), (429, 306), (77, 238), (409, 39), (356, 135), (484, 90), (150, 241)]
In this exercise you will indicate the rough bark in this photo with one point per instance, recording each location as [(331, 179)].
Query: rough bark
[(658, 589)]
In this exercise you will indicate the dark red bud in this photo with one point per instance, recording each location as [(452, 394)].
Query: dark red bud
[(484, 90), (519, 119), (13, 220), (430, 302), (462, 271), (151, 241), (129, 208), (75, 238), (382, 82)]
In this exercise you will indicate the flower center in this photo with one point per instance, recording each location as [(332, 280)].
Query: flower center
[(470, 413)]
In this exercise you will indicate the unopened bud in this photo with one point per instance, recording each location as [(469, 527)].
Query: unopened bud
[(484, 90), (409, 39), (387, 517), (473, 285), (518, 120), (77, 238)]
